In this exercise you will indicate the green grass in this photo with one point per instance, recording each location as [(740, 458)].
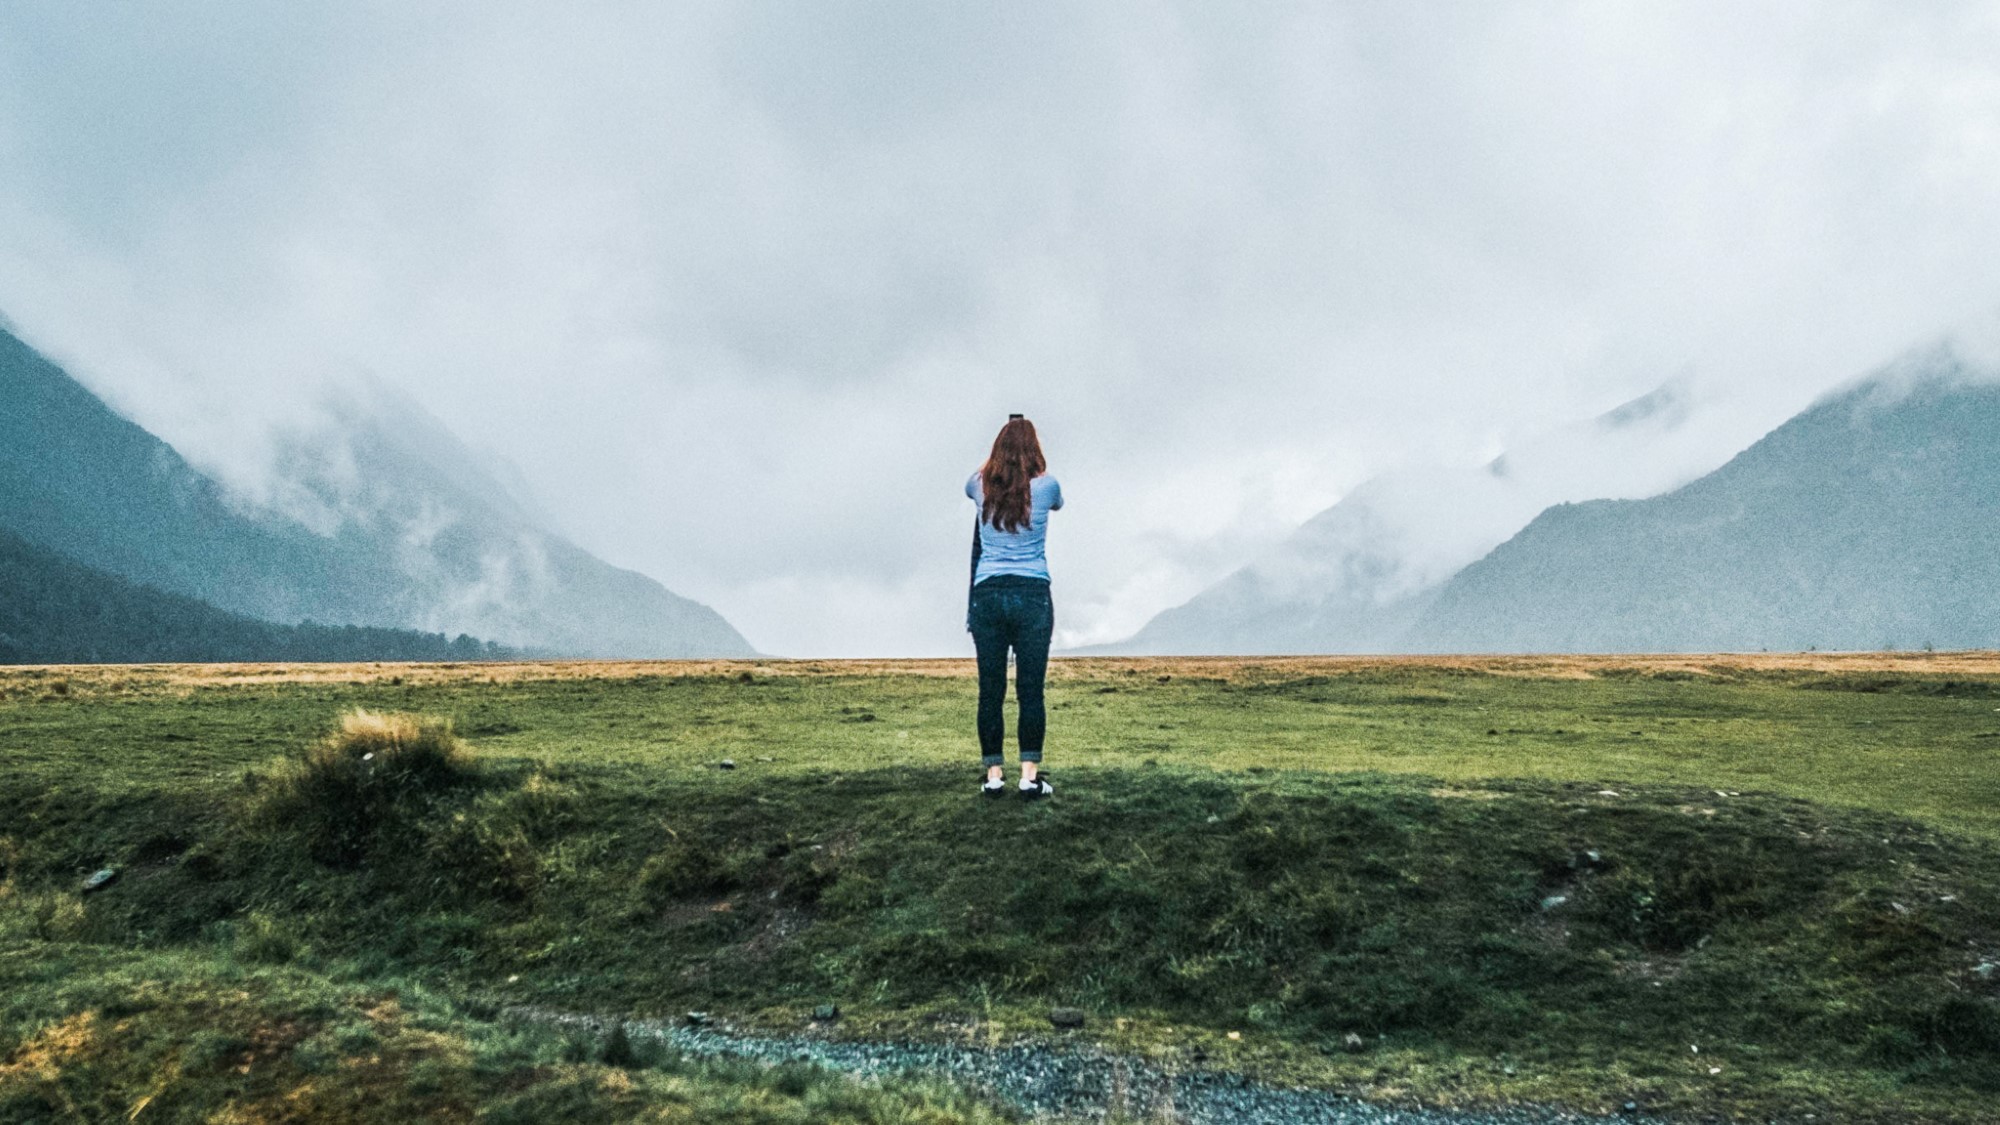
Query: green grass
[(1293, 852), (118, 1035)]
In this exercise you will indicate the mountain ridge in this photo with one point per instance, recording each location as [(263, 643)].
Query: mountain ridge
[(1357, 575), (78, 479), (1869, 520)]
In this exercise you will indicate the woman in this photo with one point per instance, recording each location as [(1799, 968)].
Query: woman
[(1010, 606)]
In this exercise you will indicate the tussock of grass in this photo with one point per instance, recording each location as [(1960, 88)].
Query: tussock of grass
[(384, 752), (347, 791)]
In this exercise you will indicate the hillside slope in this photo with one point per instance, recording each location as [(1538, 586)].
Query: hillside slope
[(395, 532), (1870, 520), (56, 611), (78, 479), (1357, 576)]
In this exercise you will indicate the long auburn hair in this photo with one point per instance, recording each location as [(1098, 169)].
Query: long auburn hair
[(1016, 459)]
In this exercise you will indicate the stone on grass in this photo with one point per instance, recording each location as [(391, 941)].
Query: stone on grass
[(99, 879), (1066, 1017), (1353, 1042), (726, 764), (826, 1013), (699, 1019)]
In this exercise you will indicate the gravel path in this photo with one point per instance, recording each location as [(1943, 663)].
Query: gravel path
[(1052, 1082)]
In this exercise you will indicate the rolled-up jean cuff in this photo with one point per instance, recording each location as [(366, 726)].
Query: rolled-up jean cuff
[(1035, 757), (992, 759)]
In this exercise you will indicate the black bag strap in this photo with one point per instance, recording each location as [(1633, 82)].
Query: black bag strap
[(972, 578)]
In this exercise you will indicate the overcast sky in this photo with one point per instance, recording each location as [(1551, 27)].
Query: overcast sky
[(744, 290)]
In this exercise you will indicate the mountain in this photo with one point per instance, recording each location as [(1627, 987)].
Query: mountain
[(78, 479), (54, 610), (386, 522), (1871, 520), (380, 472), (1357, 576)]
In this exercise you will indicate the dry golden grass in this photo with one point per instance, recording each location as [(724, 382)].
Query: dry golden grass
[(364, 731), (89, 678)]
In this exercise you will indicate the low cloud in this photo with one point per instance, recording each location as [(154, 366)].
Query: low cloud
[(744, 290)]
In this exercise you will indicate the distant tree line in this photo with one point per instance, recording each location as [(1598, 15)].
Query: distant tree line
[(54, 610)]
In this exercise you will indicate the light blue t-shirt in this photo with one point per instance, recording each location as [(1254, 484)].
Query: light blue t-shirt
[(1016, 552)]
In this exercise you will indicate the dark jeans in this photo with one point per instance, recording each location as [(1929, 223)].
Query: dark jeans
[(1010, 611)]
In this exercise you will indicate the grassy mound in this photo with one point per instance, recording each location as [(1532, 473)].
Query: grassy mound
[(1555, 931)]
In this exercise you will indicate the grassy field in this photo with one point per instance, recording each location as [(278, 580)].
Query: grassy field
[(1508, 879)]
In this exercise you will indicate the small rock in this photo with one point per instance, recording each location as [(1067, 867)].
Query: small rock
[(1553, 901), (699, 1019), (726, 764), (826, 1013), (1353, 1043), (1631, 1107), (1899, 908), (1066, 1017), (99, 880), (1607, 792), (1234, 1036), (1214, 819)]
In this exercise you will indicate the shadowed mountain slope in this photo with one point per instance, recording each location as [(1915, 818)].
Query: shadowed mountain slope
[(367, 526), (56, 611)]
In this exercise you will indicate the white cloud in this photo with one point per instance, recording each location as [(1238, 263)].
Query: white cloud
[(744, 289)]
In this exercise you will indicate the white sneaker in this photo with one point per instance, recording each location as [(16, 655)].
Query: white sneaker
[(1037, 789)]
